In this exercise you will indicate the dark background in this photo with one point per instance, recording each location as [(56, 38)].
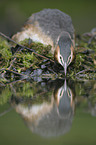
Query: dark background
[(13, 13)]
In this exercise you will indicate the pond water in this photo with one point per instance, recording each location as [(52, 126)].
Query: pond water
[(48, 112)]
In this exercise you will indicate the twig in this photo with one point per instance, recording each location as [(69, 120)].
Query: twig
[(2, 69), (13, 82), (80, 79), (3, 113), (14, 41), (12, 63), (52, 71), (15, 72), (90, 40), (83, 71), (26, 47), (2, 83), (8, 67)]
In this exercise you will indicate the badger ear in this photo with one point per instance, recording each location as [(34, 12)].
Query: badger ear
[(73, 51), (57, 53)]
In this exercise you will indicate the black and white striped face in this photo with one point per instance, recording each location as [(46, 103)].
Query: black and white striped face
[(65, 54), (64, 100)]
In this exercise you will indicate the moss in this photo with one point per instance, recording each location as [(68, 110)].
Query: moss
[(5, 53), (27, 61), (38, 47), (84, 64)]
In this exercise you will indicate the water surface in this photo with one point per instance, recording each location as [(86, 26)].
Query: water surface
[(52, 112)]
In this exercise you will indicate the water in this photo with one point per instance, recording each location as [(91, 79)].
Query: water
[(48, 112)]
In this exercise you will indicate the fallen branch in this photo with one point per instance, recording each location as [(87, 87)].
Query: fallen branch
[(5, 112), (12, 63), (21, 79), (2, 83), (2, 69), (9, 68), (16, 73), (3, 35), (83, 71)]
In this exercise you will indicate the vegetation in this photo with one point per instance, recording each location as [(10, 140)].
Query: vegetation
[(29, 59), (26, 92), (84, 66)]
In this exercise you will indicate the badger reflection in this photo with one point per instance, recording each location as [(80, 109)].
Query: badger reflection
[(63, 98), (52, 118)]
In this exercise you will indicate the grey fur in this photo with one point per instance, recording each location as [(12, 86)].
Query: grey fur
[(64, 45), (53, 22), (52, 124)]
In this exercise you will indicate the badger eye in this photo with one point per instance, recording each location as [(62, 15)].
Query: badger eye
[(61, 60), (69, 60)]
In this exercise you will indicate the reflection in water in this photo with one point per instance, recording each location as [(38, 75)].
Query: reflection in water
[(47, 107), (50, 118), (92, 109), (63, 97)]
